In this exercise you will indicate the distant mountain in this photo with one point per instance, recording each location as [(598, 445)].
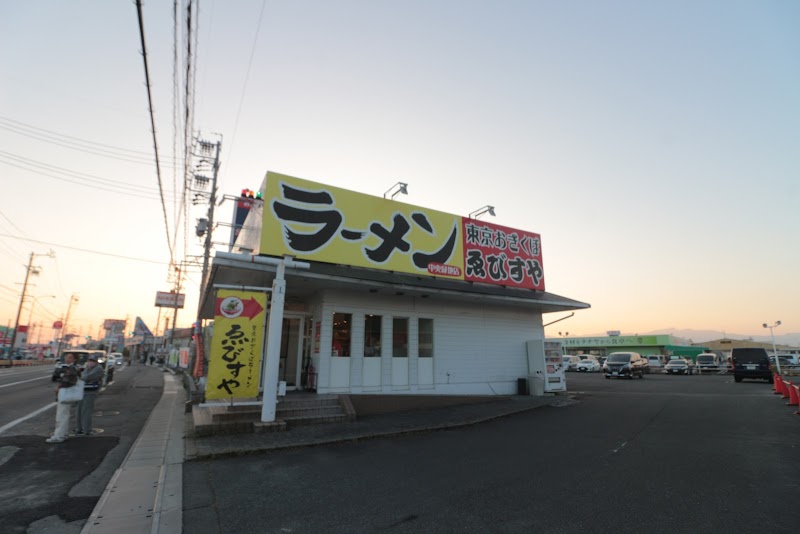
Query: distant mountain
[(700, 336)]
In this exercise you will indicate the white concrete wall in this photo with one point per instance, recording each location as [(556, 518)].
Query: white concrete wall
[(478, 348)]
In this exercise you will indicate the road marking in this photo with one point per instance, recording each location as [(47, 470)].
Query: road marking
[(620, 447), (21, 419), (23, 381)]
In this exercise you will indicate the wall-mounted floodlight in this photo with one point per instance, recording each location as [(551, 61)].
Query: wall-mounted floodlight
[(486, 209), (401, 188)]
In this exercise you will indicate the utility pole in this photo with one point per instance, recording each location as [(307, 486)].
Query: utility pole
[(29, 269), (206, 148), (73, 298)]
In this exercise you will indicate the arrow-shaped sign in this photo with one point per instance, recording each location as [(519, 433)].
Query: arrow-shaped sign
[(250, 308)]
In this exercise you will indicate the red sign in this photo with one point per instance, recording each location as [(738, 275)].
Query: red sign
[(58, 325), (23, 329), (496, 254)]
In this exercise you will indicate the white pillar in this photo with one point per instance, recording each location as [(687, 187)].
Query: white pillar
[(273, 351)]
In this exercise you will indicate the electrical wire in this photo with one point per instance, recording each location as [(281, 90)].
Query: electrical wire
[(84, 250), (66, 144), (98, 187), (153, 124), (15, 124), (244, 88), (133, 188)]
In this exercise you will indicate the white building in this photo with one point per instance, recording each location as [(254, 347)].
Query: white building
[(357, 323)]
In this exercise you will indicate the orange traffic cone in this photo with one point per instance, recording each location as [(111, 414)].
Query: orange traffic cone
[(793, 399), (776, 384), (785, 387)]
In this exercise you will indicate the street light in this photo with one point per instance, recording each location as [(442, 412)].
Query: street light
[(774, 349), (402, 187), (486, 209)]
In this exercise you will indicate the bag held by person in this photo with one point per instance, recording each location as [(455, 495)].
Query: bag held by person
[(71, 394)]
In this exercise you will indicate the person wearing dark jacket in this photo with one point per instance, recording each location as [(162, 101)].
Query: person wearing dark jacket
[(92, 376), (69, 377)]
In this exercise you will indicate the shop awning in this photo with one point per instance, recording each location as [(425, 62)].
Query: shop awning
[(241, 270)]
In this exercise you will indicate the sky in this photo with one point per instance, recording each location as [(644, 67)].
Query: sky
[(653, 145)]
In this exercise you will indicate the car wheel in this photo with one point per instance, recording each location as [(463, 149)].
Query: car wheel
[(607, 377), (737, 378)]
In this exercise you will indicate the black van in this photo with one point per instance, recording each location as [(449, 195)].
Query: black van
[(751, 363)]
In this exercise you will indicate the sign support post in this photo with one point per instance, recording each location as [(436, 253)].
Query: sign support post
[(272, 364)]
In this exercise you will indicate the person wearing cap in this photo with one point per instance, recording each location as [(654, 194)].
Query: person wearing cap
[(68, 379), (92, 376)]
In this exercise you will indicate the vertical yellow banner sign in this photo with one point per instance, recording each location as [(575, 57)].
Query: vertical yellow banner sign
[(234, 361)]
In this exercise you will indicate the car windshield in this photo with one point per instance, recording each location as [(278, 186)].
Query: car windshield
[(676, 362), (705, 359), (619, 358)]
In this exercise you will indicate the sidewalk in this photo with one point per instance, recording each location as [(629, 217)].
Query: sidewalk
[(146, 493)]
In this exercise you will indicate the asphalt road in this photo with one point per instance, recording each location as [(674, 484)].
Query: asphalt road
[(54, 487), (667, 454), (24, 389)]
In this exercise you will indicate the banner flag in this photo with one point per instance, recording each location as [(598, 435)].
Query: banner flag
[(234, 361)]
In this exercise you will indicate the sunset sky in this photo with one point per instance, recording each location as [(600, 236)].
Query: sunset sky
[(653, 145)]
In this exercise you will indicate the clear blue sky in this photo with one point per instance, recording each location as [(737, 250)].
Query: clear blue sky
[(654, 146)]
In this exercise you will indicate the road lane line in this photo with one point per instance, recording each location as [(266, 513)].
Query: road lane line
[(620, 447), (21, 419), (23, 381)]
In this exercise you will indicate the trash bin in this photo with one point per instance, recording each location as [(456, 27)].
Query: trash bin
[(522, 386), (537, 385)]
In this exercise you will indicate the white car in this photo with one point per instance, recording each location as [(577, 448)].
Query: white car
[(570, 362), (115, 358), (589, 365)]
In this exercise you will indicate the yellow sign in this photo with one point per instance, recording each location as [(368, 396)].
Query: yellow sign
[(234, 362), (318, 222)]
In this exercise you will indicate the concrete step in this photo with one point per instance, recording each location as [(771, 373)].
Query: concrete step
[(288, 403), (228, 427), (314, 420), (309, 411)]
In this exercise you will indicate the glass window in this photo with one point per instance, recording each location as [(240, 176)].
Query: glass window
[(341, 334), (372, 335), (426, 338), (400, 337)]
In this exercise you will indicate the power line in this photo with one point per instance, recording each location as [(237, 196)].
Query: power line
[(55, 177), (23, 126), (134, 188), (244, 88), (71, 146), (153, 125), (85, 250)]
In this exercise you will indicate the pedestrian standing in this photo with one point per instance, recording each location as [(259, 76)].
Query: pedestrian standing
[(152, 358), (92, 376), (68, 379)]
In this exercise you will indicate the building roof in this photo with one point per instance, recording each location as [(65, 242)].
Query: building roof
[(245, 270)]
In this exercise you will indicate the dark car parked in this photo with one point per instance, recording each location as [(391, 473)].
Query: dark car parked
[(624, 365), (679, 366), (751, 363)]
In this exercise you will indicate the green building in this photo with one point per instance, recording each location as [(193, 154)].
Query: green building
[(664, 345)]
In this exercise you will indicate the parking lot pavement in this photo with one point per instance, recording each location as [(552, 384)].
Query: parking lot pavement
[(666, 454)]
